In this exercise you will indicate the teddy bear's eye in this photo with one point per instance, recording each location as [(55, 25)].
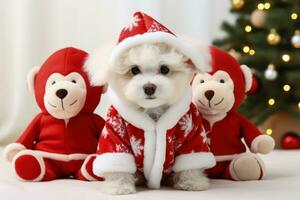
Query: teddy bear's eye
[(164, 69), (222, 81), (74, 81), (201, 81), (135, 70), (53, 82)]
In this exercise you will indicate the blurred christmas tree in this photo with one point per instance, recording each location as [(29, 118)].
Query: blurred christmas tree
[(266, 37)]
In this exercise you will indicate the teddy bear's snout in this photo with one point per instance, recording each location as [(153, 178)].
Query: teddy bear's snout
[(209, 94), (61, 93)]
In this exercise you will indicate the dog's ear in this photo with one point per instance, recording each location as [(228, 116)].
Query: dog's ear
[(97, 65), (31, 77), (202, 51)]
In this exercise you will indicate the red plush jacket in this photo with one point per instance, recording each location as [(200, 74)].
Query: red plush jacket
[(79, 135), (225, 136), (131, 140)]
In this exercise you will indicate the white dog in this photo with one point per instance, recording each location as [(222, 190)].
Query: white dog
[(150, 78), (152, 128)]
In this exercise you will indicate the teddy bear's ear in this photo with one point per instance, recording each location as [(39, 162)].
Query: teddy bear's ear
[(97, 65), (30, 78), (248, 77)]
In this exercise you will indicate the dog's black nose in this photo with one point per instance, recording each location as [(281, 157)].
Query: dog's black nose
[(61, 93), (209, 94), (149, 89)]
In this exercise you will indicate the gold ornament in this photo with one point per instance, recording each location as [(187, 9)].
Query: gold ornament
[(258, 18), (273, 37), (238, 4), (296, 39)]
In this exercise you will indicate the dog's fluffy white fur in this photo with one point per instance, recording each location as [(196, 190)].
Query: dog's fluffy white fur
[(168, 71)]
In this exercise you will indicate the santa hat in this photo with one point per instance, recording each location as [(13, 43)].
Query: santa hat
[(144, 29)]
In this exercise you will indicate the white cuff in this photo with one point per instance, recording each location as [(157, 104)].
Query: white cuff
[(203, 160), (114, 162), (11, 150), (258, 139)]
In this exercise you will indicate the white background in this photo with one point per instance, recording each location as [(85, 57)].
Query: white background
[(30, 30)]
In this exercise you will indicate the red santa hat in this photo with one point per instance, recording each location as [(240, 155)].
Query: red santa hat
[(144, 29)]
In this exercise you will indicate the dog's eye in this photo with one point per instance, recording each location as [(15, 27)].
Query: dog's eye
[(53, 82), (74, 81), (222, 81), (201, 81), (135, 70), (164, 69)]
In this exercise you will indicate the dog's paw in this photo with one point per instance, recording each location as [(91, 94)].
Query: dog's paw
[(118, 188), (191, 180), (119, 184)]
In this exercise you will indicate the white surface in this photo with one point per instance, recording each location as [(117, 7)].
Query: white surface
[(282, 182)]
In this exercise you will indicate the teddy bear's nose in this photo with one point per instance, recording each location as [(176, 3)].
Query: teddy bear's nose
[(61, 93), (209, 94), (149, 89)]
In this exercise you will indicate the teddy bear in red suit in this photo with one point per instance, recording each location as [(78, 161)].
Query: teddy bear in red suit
[(217, 95), (61, 140)]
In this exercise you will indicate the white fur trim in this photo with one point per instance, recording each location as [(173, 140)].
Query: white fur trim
[(155, 133), (61, 157), (39, 159), (83, 170), (12, 148), (114, 162), (203, 160), (30, 78), (259, 160), (258, 139), (161, 37), (97, 65), (248, 77), (133, 116)]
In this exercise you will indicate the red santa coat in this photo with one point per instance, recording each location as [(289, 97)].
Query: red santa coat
[(63, 140), (132, 141)]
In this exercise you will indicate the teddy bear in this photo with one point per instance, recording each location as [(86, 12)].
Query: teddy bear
[(217, 95), (61, 140)]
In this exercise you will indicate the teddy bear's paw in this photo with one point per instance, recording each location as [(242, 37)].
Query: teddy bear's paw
[(191, 180), (266, 146), (248, 167), (263, 144)]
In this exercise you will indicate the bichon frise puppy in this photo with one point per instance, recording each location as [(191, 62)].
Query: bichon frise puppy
[(153, 132)]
